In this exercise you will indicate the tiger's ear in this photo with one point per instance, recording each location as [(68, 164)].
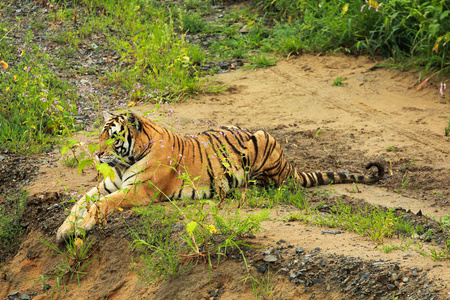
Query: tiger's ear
[(134, 122), (107, 116)]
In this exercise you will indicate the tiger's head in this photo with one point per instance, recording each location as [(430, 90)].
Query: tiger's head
[(121, 140)]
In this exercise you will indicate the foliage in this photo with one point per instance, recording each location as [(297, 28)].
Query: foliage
[(10, 215), (339, 81), (72, 263), (35, 103)]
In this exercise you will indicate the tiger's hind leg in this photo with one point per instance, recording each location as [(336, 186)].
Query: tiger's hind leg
[(266, 160)]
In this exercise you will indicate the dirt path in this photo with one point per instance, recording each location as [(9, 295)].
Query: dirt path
[(377, 115)]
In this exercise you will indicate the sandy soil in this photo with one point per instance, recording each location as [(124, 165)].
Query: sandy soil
[(377, 115)]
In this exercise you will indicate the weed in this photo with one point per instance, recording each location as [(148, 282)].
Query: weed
[(262, 61), (339, 81), (262, 287), (447, 129), (10, 215), (405, 180), (192, 23), (160, 252), (72, 262)]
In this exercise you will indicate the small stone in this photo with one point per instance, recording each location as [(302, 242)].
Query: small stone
[(13, 296), (270, 258), (390, 286), (364, 277), (394, 276), (405, 280), (25, 297), (268, 251), (299, 250), (414, 273), (317, 249), (261, 268)]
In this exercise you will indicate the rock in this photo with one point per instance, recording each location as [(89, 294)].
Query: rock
[(394, 276), (390, 287), (268, 251), (25, 297), (364, 277), (299, 250), (414, 273), (405, 280), (270, 258), (13, 296), (261, 268)]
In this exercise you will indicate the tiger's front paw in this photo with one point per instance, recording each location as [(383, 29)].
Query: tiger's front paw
[(79, 222)]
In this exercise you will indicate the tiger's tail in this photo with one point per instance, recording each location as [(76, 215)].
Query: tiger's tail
[(324, 178)]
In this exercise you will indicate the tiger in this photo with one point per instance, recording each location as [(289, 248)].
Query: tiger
[(151, 164)]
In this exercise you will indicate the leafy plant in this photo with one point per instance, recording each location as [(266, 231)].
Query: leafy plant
[(10, 215), (447, 129), (339, 81), (262, 61), (72, 262)]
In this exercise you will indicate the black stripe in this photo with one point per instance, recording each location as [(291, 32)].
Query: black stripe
[(320, 178), (268, 153), (330, 176), (153, 127), (200, 152), (305, 182), (342, 176), (106, 189), (311, 179), (132, 175), (255, 143)]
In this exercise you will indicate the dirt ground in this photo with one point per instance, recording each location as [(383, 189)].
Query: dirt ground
[(377, 115)]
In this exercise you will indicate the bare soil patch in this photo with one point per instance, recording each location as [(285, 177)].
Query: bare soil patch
[(377, 115)]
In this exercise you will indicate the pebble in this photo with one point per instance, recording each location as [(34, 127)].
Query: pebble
[(268, 251), (390, 286), (270, 258), (13, 296), (405, 280), (299, 250)]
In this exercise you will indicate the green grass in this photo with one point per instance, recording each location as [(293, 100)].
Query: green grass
[(339, 81), (10, 215), (36, 104)]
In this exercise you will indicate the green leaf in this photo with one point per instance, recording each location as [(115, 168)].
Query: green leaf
[(64, 149), (109, 142), (83, 164), (106, 171), (93, 148), (190, 227)]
